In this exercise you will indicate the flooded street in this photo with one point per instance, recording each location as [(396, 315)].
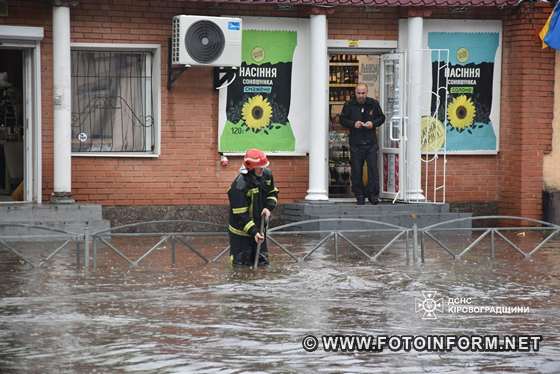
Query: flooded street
[(197, 318)]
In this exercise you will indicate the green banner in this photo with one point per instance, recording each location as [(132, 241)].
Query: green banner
[(258, 101)]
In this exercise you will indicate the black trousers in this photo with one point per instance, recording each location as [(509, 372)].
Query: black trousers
[(359, 154), (243, 250)]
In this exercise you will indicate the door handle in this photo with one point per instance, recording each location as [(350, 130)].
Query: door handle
[(395, 125)]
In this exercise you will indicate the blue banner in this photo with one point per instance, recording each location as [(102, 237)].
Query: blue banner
[(470, 78)]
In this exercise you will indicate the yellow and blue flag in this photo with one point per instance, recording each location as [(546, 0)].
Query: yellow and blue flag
[(550, 33)]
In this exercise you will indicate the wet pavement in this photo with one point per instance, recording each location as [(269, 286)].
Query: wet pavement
[(198, 318)]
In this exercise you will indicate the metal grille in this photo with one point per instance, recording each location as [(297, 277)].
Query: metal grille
[(112, 101), (175, 49), (456, 238)]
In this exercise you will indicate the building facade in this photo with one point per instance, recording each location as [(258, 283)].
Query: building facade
[(170, 154)]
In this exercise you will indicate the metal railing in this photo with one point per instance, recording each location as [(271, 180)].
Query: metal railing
[(428, 232), (173, 237), (179, 234), (18, 234), (330, 234), (341, 234)]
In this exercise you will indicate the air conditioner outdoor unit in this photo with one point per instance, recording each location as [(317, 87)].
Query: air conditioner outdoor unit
[(209, 41)]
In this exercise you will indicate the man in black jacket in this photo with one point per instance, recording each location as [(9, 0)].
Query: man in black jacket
[(252, 197), (362, 115)]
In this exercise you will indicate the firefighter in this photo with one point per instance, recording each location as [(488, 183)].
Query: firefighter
[(252, 197)]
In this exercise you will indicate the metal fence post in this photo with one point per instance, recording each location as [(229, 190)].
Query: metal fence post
[(173, 254), (336, 246), (493, 248), (407, 247), (414, 241), (78, 253), (86, 247), (94, 247), (422, 247)]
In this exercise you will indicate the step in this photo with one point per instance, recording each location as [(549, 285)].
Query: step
[(74, 227), (49, 212), (320, 209), (406, 220), (372, 214)]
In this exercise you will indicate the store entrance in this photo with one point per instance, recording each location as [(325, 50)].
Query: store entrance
[(346, 70), (11, 125)]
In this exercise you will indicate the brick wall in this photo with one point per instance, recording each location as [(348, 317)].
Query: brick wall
[(355, 23), (513, 179), (468, 179), (527, 107), (188, 171)]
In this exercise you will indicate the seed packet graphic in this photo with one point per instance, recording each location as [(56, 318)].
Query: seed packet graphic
[(470, 79), (258, 100)]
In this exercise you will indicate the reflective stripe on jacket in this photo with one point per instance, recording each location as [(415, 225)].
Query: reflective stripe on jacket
[(248, 196)]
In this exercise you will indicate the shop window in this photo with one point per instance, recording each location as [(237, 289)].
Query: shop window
[(115, 101)]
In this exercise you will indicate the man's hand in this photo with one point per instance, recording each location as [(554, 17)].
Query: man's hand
[(259, 237), (369, 125), (266, 214), (358, 124)]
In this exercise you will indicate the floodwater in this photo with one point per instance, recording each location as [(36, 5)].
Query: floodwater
[(210, 318)]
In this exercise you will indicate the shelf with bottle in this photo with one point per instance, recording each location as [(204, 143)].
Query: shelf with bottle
[(339, 164), (343, 75), (339, 179), (343, 58), (340, 94), (339, 151), (344, 64)]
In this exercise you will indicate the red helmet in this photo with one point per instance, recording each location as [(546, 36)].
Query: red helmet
[(255, 158)]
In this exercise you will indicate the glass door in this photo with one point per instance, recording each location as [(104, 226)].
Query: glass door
[(392, 166), (343, 79)]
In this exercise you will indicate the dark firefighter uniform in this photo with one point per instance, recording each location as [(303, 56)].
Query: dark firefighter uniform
[(248, 195), (363, 144)]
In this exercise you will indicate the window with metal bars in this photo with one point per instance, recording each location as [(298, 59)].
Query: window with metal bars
[(113, 106)]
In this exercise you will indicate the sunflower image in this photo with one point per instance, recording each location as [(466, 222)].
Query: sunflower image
[(256, 112), (461, 112)]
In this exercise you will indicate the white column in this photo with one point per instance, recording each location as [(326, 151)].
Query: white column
[(61, 106), (413, 147), (318, 126)]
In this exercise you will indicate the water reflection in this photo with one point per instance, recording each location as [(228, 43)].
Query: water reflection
[(195, 318)]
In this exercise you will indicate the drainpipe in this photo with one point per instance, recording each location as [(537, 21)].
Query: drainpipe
[(318, 136), (413, 147), (61, 103)]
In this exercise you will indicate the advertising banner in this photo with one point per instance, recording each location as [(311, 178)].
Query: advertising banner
[(470, 80), (256, 109)]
